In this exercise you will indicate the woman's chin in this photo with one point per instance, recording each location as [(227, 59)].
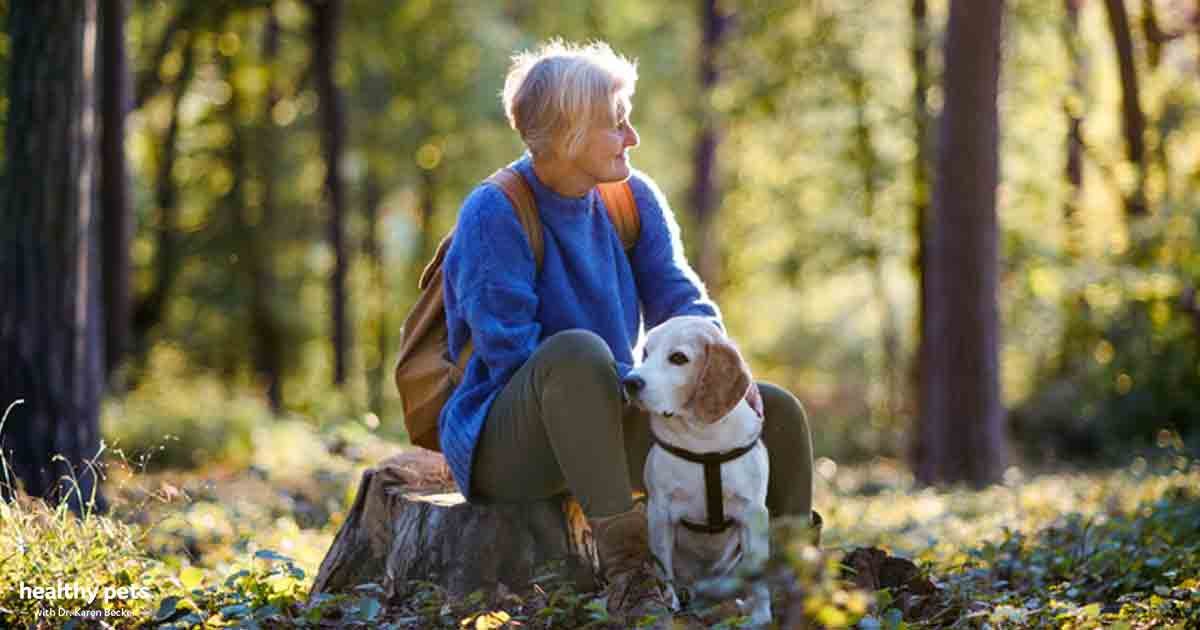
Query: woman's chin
[(620, 171)]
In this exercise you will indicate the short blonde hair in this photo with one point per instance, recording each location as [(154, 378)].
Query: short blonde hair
[(554, 94)]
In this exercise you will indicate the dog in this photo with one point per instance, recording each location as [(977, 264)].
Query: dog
[(703, 406)]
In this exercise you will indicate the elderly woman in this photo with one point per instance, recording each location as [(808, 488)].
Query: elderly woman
[(539, 410)]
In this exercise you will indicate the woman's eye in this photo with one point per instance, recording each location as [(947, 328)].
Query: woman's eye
[(678, 358)]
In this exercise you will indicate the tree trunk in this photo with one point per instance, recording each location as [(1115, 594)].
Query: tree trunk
[(1073, 107), (325, 25), (406, 524), (51, 320), (168, 259), (1075, 336), (114, 183), (1152, 33), (149, 81), (427, 206), (372, 197), (921, 185), (264, 326), (705, 191), (246, 244), (961, 432), (1133, 120), (866, 157)]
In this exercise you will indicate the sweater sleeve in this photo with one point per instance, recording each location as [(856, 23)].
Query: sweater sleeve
[(491, 270), (667, 285)]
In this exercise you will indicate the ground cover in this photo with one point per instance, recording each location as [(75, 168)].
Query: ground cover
[(237, 543)]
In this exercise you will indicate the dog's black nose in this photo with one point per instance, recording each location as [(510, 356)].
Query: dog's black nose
[(633, 384)]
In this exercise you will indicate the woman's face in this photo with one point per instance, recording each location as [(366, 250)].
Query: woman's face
[(605, 156)]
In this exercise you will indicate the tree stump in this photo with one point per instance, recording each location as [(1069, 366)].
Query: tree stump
[(407, 523)]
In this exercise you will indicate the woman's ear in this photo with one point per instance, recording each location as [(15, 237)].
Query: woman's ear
[(723, 382)]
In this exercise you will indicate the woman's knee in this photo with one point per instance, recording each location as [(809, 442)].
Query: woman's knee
[(578, 345), (789, 447), (785, 427), (577, 358), (779, 405)]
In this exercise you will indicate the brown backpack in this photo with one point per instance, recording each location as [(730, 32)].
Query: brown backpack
[(424, 375)]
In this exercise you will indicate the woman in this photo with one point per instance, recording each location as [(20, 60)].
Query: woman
[(539, 410)]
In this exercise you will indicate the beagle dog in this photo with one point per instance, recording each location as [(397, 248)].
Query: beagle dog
[(706, 474)]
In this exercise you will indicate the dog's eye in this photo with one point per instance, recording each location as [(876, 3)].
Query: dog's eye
[(678, 358), (645, 354)]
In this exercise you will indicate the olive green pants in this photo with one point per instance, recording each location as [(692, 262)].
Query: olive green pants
[(561, 424)]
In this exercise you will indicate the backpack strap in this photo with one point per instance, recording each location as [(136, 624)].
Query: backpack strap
[(517, 190), (617, 198), (622, 211)]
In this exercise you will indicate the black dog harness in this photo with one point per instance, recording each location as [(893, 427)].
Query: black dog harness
[(714, 498)]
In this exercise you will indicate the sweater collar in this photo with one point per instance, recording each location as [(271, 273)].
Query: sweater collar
[(547, 198)]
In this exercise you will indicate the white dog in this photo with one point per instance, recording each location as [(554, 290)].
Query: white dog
[(706, 475)]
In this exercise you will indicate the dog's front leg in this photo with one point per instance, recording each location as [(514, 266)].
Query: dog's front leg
[(756, 540), (662, 545)]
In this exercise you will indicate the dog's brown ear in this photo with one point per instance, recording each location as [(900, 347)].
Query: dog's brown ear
[(723, 382)]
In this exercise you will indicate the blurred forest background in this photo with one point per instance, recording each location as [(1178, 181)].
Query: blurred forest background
[(963, 232), (271, 175)]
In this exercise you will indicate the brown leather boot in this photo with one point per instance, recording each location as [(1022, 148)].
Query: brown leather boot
[(634, 589)]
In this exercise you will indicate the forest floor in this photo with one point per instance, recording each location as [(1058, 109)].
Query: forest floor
[(237, 545)]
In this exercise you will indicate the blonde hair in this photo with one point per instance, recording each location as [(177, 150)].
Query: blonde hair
[(554, 94)]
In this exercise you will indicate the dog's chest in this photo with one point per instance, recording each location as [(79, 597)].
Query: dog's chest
[(681, 484)]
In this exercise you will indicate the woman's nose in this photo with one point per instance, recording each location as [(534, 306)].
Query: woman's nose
[(631, 136)]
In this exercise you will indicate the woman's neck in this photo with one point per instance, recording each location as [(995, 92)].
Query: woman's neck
[(562, 176)]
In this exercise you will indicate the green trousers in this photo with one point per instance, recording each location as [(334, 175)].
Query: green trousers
[(561, 424)]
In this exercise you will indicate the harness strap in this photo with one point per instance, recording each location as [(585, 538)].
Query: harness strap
[(713, 495)]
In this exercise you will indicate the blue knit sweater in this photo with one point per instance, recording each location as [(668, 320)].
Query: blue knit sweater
[(496, 296)]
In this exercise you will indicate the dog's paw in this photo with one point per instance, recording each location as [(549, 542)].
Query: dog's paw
[(761, 616), (672, 598), (758, 607)]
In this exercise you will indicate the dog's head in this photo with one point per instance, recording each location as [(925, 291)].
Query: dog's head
[(690, 369)]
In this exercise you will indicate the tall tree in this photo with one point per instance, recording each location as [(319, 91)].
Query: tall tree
[(961, 428), (1073, 108), (168, 253), (51, 321), (866, 159), (373, 251), (1133, 118), (114, 182), (326, 22), (265, 326), (705, 190), (1076, 335), (919, 55)]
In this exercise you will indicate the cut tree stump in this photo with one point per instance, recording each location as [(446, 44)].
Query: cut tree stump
[(407, 523)]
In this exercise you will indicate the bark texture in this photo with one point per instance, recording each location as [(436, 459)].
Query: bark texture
[(326, 21), (706, 194), (114, 182), (961, 431), (407, 524), (266, 330), (51, 321), (1133, 118), (919, 55)]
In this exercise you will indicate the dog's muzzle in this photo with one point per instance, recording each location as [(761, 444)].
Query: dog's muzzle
[(633, 385)]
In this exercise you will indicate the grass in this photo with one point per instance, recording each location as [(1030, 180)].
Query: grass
[(234, 544)]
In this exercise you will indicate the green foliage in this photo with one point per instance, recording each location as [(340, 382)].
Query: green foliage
[(1133, 386), (1092, 571), (227, 547), (180, 419), (96, 558), (815, 170)]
